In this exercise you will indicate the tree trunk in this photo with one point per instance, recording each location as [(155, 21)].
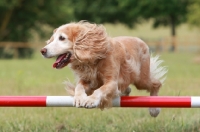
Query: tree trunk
[(173, 34), (5, 22)]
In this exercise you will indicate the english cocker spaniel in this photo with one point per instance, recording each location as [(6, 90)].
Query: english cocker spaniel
[(104, 66)]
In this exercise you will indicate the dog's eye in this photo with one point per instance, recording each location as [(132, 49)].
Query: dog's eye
[(61, 38)]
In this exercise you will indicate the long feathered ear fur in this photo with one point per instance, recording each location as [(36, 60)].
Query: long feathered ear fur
[(91, 42)]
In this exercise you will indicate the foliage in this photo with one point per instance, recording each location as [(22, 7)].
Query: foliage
[(19, 17), (164, 12), (131, 12), (22, 15), (194, 13)]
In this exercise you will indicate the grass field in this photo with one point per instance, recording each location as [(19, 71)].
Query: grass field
[(37, 77)]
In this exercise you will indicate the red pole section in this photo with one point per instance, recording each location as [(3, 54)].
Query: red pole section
[(156, 101), (22, 101)]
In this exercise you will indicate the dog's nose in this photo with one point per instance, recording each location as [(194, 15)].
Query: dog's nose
[(43, 51)]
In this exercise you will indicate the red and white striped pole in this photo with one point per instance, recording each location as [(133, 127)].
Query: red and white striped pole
[(124, 101)]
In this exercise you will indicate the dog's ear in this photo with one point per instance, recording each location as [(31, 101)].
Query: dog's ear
[(83, 55), (91, 43)]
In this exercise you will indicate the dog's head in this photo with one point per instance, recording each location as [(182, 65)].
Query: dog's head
[(82, 41)]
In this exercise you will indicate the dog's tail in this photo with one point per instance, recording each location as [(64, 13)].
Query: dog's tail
[(157, 72), (70, 88)]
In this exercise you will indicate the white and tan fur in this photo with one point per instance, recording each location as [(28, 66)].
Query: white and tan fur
[(105, 66)]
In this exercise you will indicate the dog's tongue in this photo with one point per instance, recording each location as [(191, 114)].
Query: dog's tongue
[(59, 59)]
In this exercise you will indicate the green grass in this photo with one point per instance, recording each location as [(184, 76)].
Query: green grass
[(37, 77)]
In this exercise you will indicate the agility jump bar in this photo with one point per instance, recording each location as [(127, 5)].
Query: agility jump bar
[(124, 101)]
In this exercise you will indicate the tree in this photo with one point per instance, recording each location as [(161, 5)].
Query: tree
[(167, 13), (194, 13), (163, 12), (21, 16), (111, 11)]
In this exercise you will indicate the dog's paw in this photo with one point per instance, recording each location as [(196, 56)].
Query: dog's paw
[(79, 101), (91, 102), (154, 111)]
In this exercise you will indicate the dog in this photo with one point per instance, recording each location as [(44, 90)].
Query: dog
[(104, 66)]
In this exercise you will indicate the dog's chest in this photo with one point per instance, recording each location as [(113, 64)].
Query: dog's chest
[(88, 74)]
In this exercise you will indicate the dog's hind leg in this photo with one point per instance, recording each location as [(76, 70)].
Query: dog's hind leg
[(151, 78), (157, 74), (126, 92), (156, 84), (152, 87)]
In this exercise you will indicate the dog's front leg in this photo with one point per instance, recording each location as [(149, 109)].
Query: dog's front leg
[(80, 95), (103, 96)]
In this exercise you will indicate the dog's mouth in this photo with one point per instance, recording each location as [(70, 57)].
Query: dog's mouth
[(62, 60)]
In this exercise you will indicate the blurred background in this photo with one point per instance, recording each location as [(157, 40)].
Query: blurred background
[(165, 25)]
